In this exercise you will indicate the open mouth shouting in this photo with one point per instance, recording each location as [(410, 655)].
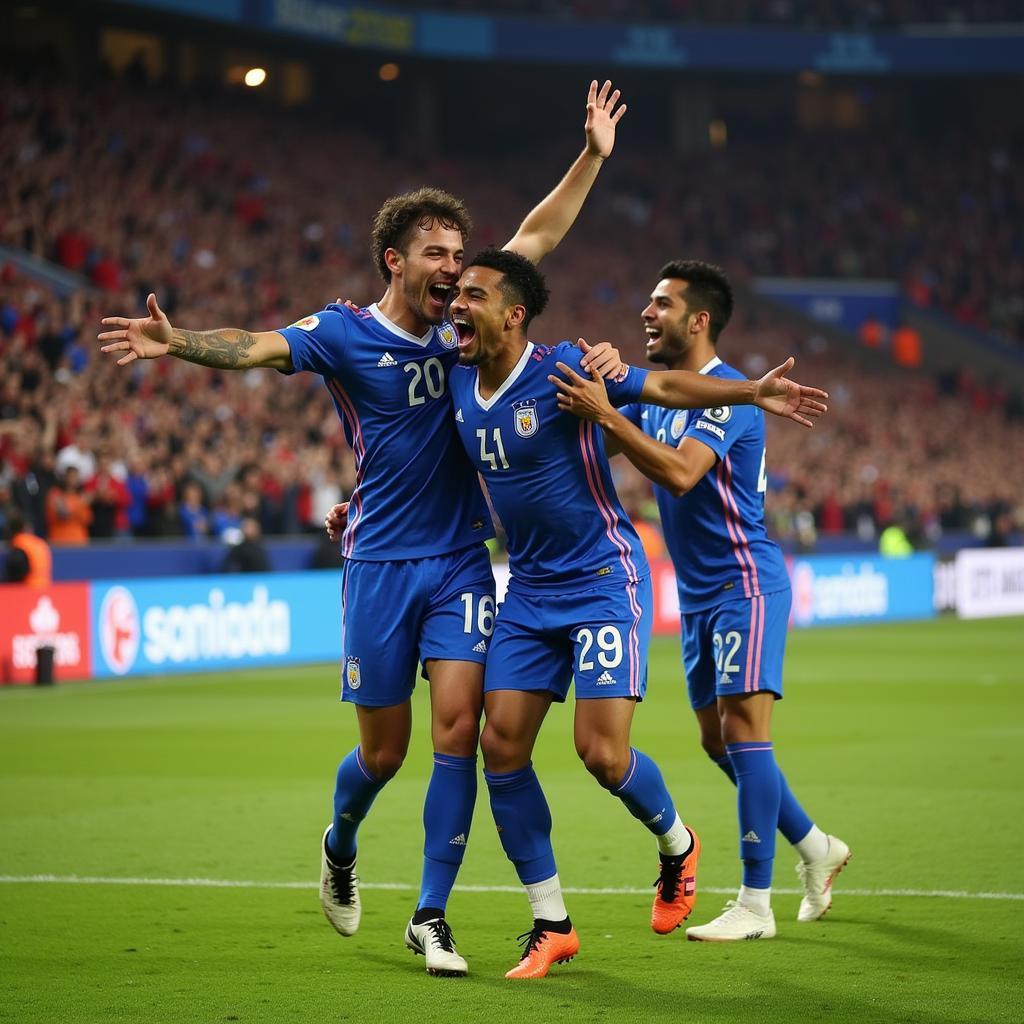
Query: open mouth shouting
[(466, 329), (653, 335), (439, 292)]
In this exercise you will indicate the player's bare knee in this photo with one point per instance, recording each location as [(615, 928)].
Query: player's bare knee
[(384, 762), (458, 737), (713, 744), (501, 751), (606, 763)]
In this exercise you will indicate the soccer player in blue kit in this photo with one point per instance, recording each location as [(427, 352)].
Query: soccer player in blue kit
[(579, 602), (417, 583), (734, 594)]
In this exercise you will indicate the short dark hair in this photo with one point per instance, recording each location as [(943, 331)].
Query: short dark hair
[(401, 215), (709, 289), (521, 282)]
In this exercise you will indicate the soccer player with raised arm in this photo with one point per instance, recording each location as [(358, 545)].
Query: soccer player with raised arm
[(734, 595), (579, 602), (417, 584)]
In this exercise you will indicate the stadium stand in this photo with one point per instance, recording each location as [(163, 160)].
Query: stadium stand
[(202, 203)]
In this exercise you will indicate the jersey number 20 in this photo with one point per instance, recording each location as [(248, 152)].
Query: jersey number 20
[(428, 376)]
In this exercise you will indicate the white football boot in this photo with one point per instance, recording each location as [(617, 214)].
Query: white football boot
[(339, 892), (434, 940), (817, 877), (734, 923)]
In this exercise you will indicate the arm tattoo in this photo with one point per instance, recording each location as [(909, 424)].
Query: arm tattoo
[(226, 349)]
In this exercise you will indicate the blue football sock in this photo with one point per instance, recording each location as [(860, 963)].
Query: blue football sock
[(757, 784), (355, 791), (524, 822), (725, 764), (642, 790), (794, 823), (447, 815)]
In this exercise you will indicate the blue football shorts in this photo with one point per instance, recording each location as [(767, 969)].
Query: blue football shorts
[(596, 638), (396, 615), (736, 647)]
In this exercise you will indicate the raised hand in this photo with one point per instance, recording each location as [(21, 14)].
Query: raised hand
[(146, 338), (777, 394), (602, 119), (336, 520)]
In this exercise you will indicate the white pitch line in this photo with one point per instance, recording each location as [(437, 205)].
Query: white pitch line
[(228, 883)]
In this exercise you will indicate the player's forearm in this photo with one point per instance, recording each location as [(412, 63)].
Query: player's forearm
[(658, 462), (683, 389), (549, 221), (223, 349)]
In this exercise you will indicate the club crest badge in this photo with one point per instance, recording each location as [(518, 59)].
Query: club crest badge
[(678, 424), (352, 680), (525, 413), (447, 335), (307, 323)]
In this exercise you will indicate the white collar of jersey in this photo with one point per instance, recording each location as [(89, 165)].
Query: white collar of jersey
[(395, 329), (487, 404), (710, 365)]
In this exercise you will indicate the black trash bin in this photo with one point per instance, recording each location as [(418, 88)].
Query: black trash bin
[(44, 665)]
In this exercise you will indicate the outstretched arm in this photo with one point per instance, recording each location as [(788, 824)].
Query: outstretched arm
[(774, 392), (675, 469), (547, 223), (225, 349)]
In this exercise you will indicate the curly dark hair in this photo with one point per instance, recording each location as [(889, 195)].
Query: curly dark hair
[(521, 283), (401, 215), (709, 289)]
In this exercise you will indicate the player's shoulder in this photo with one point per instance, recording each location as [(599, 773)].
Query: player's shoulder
[(726, 371), (562, 352), (334, 315)]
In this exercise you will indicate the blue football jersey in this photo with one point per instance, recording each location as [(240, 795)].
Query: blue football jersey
[(547, 474), (416, 493), (715, 533)]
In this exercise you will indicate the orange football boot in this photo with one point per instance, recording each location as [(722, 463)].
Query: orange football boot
[(542, 949), (676, 887)]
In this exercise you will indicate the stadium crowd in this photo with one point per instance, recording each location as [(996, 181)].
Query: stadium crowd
[(204, 205)]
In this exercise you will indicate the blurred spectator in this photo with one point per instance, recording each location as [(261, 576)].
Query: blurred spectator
[(29, 560), (110, 502), (68, 515), (194, 520), (249, 554)]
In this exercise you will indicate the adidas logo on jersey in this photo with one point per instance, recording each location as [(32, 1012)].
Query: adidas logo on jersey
[(605, 679), (458, 417), (459, 840), (481, 648), (387, 360), (751, 837)]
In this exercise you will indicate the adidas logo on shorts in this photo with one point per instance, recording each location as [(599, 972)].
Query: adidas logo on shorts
[(459, 840), (387, 360), (605, 679), (458, 417), (481, 648), (751, 837)]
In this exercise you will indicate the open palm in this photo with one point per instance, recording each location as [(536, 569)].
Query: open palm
[(777, 394), (143, 338), (602, 119)]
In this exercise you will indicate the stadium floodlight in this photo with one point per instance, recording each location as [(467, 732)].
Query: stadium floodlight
[(255, 77)]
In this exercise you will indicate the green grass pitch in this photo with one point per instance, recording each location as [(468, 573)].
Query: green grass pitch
[(907, 740)]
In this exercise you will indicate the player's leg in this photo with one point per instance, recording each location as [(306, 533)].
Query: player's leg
[(520, 655), (748, 681), (822, 856), (379, 602), (453, 646), (610, 671)]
